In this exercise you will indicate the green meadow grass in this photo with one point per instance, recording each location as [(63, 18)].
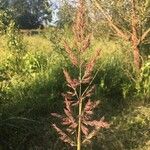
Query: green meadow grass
[(29, 95)]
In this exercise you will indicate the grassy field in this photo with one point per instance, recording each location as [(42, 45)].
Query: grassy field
[(31, 85)]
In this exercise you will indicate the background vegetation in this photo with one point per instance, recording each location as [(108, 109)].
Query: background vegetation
[(32, 80)]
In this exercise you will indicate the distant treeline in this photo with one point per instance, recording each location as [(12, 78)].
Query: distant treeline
[(28, 14)]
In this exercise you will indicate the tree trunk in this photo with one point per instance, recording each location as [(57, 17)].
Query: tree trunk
[(134, 37), (136, 55)]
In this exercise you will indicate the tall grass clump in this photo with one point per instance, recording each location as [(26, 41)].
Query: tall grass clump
[(78, 120), (16, 46), (116, 77), (13, 63), (129, 130), (27, 100), (29, 86)]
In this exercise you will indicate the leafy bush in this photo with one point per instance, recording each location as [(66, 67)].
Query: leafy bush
[(116, 76), (30, 96), (35, 62), (5, 18), (143, 82), (16, 45), (15, 39)]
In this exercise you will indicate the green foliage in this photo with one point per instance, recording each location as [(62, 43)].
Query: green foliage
[(35, 63), (143, 82), (5, 18), (115, 79), (26, 12), (31, 82), (15, 41), (67, 14), (28, 21), (129, 130), (28, 97), (16, 45)]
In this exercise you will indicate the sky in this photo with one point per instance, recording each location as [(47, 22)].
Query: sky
[(56, 4)]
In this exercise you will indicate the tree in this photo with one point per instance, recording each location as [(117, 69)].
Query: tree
[(4, 4), (27, 13), (66, 14), (129, 23), (28, 21)]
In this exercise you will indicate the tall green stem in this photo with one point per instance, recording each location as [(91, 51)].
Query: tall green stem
[(79, 126), (80, 108)]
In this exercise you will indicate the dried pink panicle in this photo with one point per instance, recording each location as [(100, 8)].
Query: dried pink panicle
[(66, 121), (86, 43), (71, 55), (91, 105), (79, 25), (79, 109), (84, 129), (88, 111), (63, 136), (68, 96), (68, 104), (90, 66), (97, 124), (69, 119), (101, 124), (69, 93), (90, 91), (86, 79), (73, 83), (69, 115)]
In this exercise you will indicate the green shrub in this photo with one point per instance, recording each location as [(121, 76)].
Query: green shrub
[(35, 62), (116, 74), (15, 39), (143, 83), (28, 97), (5, 18), (16, 45)]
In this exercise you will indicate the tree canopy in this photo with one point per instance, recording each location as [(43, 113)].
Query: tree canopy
[(27, 13)]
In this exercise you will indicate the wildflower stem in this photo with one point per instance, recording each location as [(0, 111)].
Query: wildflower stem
[(80, 105), (90, 83), (79, 126)]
